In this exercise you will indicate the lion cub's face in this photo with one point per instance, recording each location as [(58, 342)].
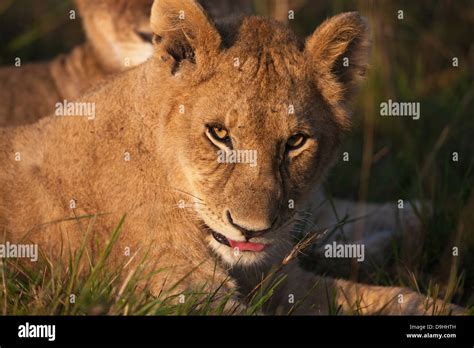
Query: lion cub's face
[(119, 31), (258, 118)]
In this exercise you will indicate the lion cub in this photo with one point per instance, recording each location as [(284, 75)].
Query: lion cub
[(118, 33), (202, 147)]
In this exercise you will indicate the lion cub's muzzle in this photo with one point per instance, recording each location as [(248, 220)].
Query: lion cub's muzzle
[(249, 233), (248, 245)]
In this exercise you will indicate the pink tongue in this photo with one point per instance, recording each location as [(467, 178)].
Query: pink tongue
[(244, 246)]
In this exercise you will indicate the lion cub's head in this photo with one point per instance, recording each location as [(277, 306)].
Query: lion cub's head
[(119, 31), (256, 117)]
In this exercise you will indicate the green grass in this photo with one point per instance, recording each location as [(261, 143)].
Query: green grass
[(95, 287), (87, 285)]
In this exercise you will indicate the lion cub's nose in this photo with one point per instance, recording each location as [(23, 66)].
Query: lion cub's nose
[(251, 230)]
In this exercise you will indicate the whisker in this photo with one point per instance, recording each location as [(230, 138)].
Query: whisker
[(187, 193)]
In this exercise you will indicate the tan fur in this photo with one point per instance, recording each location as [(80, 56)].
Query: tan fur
[(112, 29), (158, 113)]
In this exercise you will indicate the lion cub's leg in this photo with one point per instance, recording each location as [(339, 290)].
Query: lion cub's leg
[(376, 226), (379, 224), (368, 299), (312, 294)]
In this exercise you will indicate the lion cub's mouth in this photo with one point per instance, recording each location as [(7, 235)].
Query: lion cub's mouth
[(241, 246)]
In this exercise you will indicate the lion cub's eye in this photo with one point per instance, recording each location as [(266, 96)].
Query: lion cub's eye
[(218, 133), (295, 142)]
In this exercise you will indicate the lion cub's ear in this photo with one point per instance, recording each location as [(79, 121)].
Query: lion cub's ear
[(184, 33), (339, 53)]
